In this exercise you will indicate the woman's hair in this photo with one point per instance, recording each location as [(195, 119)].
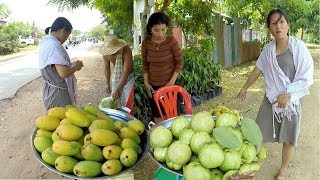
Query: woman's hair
[(280, 12), (59, 23), (155, 19)]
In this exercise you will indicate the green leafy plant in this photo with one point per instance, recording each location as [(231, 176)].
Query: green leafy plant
[(142, 109)]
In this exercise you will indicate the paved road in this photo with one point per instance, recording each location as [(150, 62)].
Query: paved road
[(19, 71)]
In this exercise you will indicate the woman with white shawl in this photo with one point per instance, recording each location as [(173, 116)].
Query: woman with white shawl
[(57, 71), (287, 67)]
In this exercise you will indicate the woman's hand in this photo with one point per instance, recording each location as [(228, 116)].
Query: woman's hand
[(149, 89), (170, 83), (116, 94), (283, 99), (78, 65), (108, 89), (242, 95)]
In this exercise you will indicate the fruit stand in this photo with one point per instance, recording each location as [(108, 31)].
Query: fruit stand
[(88, 157)]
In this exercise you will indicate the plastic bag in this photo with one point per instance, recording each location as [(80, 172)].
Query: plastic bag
[(110, 103)]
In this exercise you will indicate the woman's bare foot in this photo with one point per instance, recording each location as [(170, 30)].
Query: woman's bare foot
[(281, 175)]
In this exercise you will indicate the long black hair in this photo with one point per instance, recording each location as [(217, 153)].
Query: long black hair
[(157, 18), (59, 23), (280, 12)]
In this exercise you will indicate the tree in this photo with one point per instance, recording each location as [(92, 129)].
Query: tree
[(98, 32), (4, 11)]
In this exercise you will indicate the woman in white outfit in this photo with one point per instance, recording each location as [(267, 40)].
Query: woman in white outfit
[(121, 87), (59, 82), (287, 67)]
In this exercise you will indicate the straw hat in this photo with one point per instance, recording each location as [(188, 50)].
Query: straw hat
[(111, 45)]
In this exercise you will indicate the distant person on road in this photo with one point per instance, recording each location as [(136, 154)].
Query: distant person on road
[(161, 58), (57, 70), (119, 76), (287, 67)]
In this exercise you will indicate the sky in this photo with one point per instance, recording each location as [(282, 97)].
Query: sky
[(43, 15)]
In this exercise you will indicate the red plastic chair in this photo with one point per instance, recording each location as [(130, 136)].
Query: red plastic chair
[(167, 96)]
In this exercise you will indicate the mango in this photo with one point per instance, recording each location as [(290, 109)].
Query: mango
[(87, 139), (126, 132), (119, 124), (103, 137), (55, 137), (128, 157), (43, 133), (79, 156), (42, 143), (78, 117), (48, 123), (66, 148), (129, 143), (49, 156), (111, 167), (92, 117), (102, 124), (58, 112), (65, 121), (69, 132), (65, 164), (97, 112), (87, 169), (91, 152), (111, 152), (136, 125)]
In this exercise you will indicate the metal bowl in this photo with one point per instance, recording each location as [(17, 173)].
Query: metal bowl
[(167, 124), (116, 116)]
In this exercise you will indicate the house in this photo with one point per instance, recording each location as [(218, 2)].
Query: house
[(3, 22)]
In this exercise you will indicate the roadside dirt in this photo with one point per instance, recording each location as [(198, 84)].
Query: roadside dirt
[(17, 117)]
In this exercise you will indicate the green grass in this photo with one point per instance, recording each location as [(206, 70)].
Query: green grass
[(21, 51)]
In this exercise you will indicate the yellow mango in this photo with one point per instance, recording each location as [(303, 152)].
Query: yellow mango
[(48, 123), (69, 132), (102, 124), (58, 112), (92, 152), (103, 137), (44, 133), (66, 148), (78, 117)]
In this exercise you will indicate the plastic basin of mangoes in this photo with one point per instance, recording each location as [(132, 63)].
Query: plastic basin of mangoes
[(116, 115)]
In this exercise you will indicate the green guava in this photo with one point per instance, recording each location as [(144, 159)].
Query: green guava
[(160, 137), (178, 125), (195, 170), (202, 121)]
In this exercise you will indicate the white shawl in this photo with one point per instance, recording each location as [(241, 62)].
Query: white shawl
[(51, 52), (276, 82)]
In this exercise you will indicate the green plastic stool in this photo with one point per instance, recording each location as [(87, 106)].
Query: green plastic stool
[(162, 174)]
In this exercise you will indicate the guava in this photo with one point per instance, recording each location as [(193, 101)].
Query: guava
[(226, 119), (179, 153), (248, 152), (186, 135), (197, 140), (160, 137), (216, 174), (195, 170), (160, 154), (211, 155), (178, 125), (232, 160), (262, 154), (202, 121)]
